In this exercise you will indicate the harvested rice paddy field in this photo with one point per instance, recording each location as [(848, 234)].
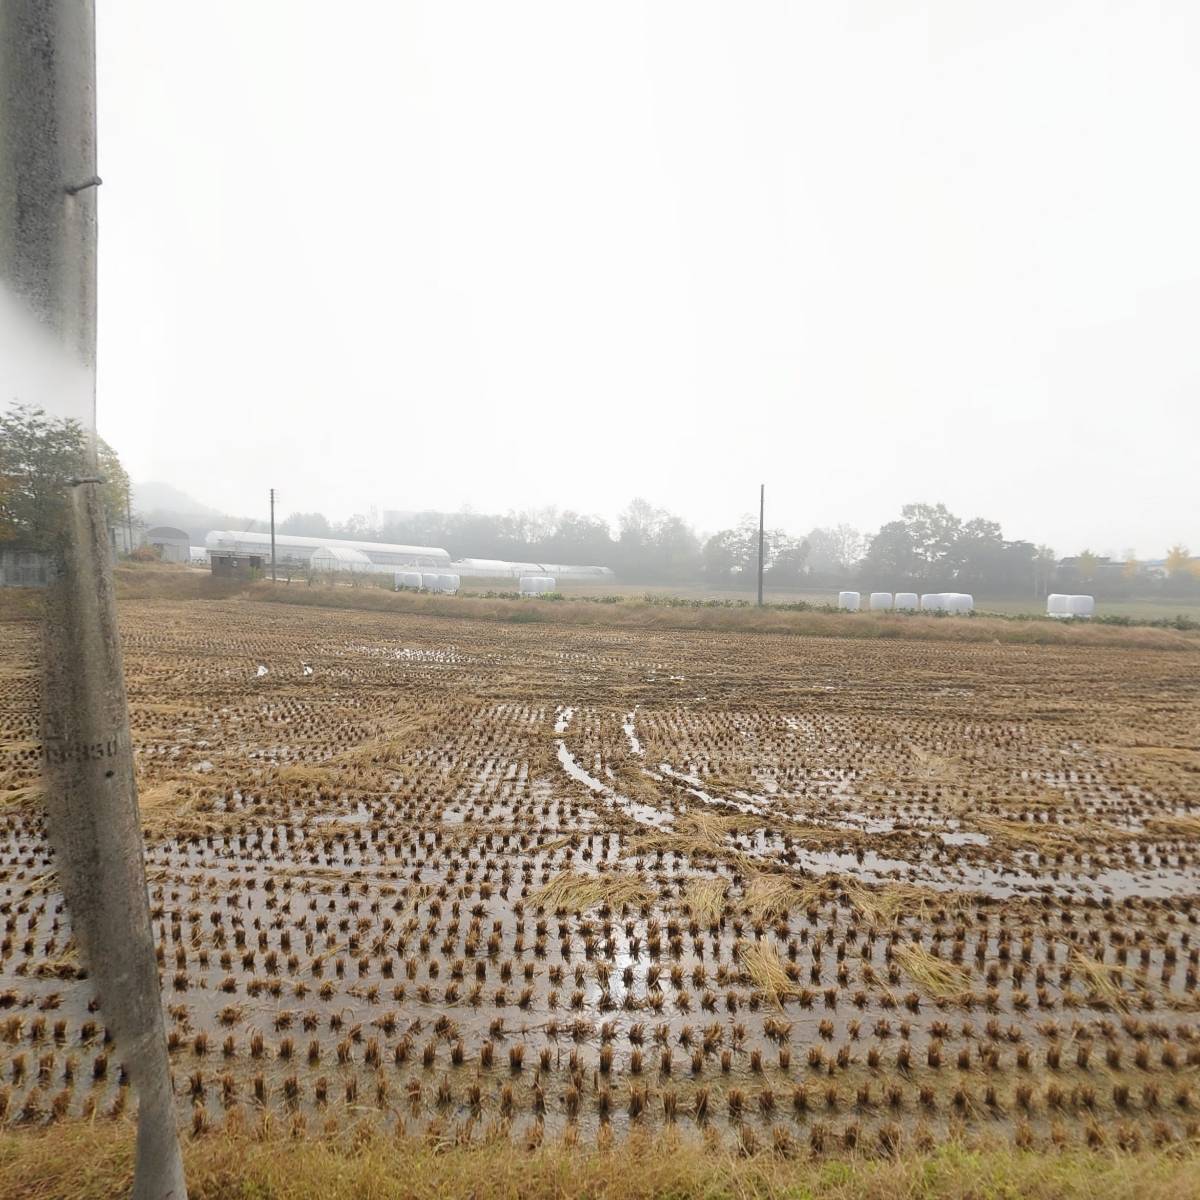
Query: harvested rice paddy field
[(465, 880)]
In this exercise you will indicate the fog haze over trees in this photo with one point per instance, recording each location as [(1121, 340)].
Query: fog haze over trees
[(926, 548)]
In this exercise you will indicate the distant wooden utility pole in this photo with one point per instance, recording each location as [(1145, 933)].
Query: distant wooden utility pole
[(272, 535), (762, 494)]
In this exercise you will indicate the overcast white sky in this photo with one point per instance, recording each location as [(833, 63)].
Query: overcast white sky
[(510, 254)]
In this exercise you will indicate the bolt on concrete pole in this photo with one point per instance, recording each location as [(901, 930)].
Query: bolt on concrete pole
[(48, 188)]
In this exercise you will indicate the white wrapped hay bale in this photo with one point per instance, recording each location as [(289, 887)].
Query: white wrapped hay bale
[(880, 601), (907, 601), (1058, 605), (959, 602), (850, 601), (933, 601), (1081, 606), (429, 581), (448, 583), (536, 585), (408, 579)]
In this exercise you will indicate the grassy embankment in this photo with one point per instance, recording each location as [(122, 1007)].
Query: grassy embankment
[(141, 582), (88, 1161), (1137, 609), (658, 612)]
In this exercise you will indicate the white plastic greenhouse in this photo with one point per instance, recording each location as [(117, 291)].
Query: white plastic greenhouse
[(291, 548), (495, 568), (339, 558)]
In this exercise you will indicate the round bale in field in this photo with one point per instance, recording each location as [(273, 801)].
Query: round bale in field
[(880, 601), (850, 601), (1058, 605)]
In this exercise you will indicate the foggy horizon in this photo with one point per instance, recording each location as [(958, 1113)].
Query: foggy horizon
[(540, 256), (378, 518)]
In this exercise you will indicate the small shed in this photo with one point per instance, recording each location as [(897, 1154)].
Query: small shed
[(172, 545), (236, 566)]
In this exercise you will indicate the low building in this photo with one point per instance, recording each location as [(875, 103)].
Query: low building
[(20, 567), (171, 545), (237, 566)]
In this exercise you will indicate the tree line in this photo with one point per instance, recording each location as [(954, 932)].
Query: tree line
[(39, 456), (927, 548)]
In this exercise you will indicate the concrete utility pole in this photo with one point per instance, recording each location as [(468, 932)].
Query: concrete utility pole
[(272, 535), (48, 186), (762, 494)]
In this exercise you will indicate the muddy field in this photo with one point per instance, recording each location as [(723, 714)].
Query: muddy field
[(471, 877)]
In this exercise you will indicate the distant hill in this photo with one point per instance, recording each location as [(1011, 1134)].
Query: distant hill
[(151, 497), (164, 504)]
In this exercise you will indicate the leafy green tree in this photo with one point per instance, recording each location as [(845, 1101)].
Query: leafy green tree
[(891, 558), (933, 530), (834, 552), (1045, 564), (1087, 564), (39, 456), (787, 560), (302, 524), (654, 545), (724, 554)]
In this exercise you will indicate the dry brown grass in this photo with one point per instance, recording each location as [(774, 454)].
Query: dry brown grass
[(939, 979), (85, 1161), (1104, 979), (158, 582), (706, 899), (765, 967), (166, 810), (1181, 825), (884, 905), (573, 891), (1042, 837), (769, 895)]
